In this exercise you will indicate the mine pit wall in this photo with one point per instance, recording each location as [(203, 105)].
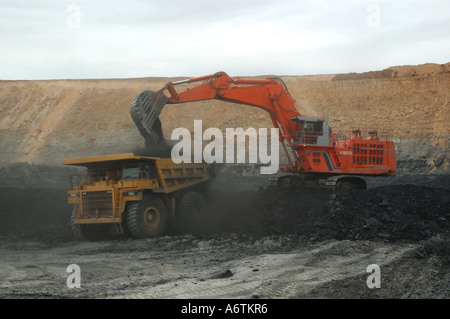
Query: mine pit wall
[(42, 122), (422, 155)]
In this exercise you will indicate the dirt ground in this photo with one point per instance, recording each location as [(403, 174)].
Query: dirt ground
[(296, 244)]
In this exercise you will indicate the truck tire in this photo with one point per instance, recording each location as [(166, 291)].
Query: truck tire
[(147, 218), (190, 213)]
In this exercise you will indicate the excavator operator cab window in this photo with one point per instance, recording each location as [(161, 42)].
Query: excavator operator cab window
[(317, 127), (311, 132)]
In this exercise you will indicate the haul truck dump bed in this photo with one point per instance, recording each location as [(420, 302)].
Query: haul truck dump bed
[(135, 195)]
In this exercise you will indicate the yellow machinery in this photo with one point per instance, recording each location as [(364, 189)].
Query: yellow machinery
[(136, 195)]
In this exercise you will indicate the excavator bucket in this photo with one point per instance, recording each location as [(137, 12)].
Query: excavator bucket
[(145, 110)]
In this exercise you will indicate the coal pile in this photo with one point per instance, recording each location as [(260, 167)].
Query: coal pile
[(392, 213), (387, 213), (294, 211), (35, 213)]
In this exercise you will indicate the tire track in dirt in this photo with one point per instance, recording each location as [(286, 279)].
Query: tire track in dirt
[(270, 275), (303, 279)]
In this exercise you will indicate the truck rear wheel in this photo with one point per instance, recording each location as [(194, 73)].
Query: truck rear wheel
[(190, 213), (147, 218)]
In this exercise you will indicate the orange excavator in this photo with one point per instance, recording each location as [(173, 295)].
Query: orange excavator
[(312, 151)]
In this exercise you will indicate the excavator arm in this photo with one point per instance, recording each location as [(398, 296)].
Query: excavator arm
[(270, 94)]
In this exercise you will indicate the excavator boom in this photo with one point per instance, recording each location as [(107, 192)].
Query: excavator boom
[(269, 94)]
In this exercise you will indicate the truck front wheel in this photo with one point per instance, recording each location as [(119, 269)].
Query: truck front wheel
[(147, 218)]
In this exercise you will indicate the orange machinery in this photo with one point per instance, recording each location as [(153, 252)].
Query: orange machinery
[(310, 146)]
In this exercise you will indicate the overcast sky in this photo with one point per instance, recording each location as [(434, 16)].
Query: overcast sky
[(57, 39)]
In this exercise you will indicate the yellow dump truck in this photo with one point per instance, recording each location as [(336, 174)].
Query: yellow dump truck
[(135, 195)]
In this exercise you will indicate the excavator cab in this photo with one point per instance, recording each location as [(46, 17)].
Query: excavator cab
[(311, 130)]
